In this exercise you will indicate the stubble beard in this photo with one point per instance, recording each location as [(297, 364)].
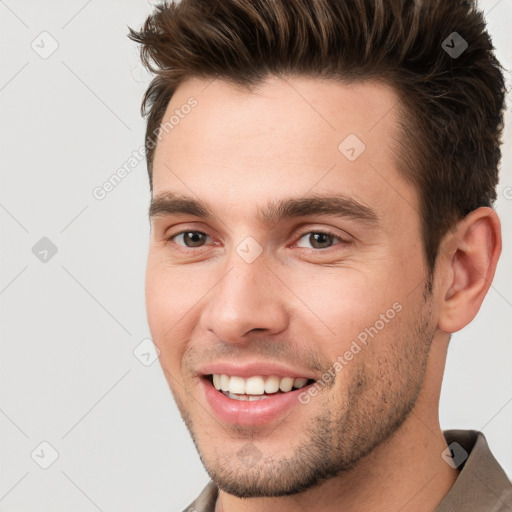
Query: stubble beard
[(334, 441)]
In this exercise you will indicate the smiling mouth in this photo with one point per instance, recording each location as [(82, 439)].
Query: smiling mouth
[(257, 387)]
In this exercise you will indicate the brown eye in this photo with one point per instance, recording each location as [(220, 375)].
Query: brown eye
[(190, 238), (318, 240)]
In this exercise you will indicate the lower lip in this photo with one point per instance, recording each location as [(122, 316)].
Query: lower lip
[(243, 412)]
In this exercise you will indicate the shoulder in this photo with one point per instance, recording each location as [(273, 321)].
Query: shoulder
[(205, 502), (482, 484)]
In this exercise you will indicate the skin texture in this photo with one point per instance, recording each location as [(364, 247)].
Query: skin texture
[(370, 439)]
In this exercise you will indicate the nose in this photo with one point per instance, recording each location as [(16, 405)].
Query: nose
[(247, 299)]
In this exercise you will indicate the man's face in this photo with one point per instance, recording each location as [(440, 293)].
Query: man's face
[(269, 294)]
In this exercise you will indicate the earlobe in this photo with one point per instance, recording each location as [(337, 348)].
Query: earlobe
[(471, 256)]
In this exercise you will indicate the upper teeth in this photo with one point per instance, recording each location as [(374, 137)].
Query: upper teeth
[(256, 385)]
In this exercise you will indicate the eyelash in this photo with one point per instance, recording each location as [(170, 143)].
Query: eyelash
[(300, 236)]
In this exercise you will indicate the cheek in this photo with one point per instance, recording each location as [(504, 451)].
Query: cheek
[(171, 291), (166, 304), (360, 308), (173, 305), (159, 298), (167, 332), (346, 299)]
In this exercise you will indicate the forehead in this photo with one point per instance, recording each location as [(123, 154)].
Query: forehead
[(289, 137)]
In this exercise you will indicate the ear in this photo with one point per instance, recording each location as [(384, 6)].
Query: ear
[(467, 265)]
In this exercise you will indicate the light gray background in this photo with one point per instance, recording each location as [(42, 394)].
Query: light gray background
[(69, 326)]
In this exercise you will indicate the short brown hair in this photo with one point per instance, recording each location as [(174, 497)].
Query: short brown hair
[(451, 108)]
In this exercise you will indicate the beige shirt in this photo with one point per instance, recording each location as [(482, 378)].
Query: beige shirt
[(482, 485)]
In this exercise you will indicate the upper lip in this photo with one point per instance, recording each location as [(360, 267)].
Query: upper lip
[(247, 370)]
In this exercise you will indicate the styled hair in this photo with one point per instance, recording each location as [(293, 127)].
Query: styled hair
[(450, 109)]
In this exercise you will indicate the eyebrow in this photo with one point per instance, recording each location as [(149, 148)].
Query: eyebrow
[(340, 205)]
